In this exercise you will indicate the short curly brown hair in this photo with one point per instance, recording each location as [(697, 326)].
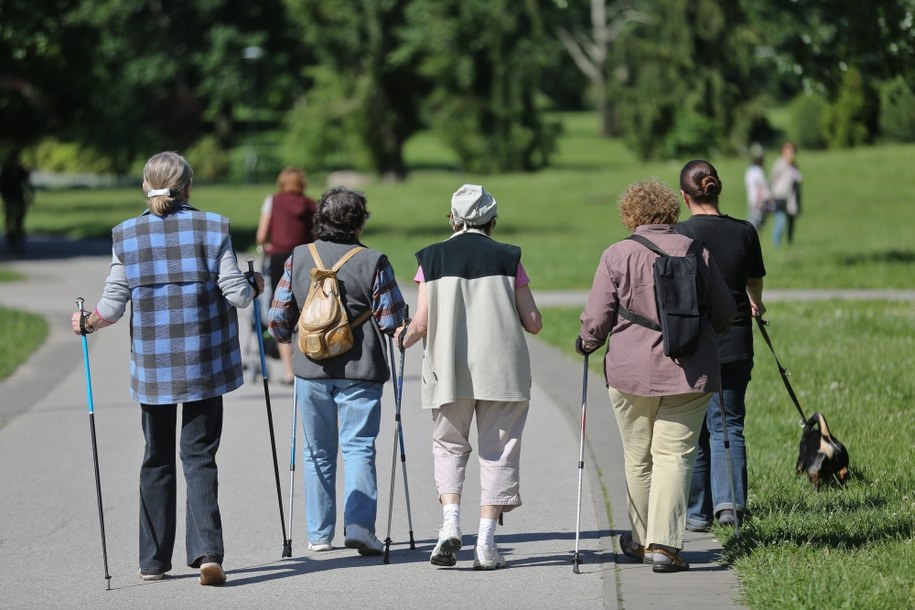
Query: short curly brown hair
[(648, 202)]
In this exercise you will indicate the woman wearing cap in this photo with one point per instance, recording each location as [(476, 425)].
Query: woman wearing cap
[(177, 267), (473, 307)]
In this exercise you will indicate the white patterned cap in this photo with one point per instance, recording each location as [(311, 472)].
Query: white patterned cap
[(473, 205)]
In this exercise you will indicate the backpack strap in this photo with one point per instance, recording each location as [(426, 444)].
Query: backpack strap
[(343, 259), (631, 315), (317, 257), (649, 244)]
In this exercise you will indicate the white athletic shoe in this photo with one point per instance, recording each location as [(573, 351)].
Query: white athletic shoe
[(487, 558), (364, 541), (449, 543), (320, 547)]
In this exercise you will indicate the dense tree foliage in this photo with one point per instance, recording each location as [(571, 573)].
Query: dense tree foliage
[(355, 80)]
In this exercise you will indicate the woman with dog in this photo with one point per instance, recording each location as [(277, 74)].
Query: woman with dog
[(659, 402), (735, 246)]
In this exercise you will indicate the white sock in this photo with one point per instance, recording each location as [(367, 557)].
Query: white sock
[(487, 534), (451, 513)]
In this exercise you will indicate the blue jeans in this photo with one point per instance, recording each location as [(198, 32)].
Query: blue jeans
[(710, 491), (201, 429), (346, 415)]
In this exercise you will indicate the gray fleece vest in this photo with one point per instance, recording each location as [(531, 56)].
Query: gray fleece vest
[(366, 361)]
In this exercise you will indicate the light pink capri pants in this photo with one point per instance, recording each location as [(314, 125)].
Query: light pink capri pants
[(499, 428)]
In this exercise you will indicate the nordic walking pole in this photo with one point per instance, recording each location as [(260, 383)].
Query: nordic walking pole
[(260, 345), (581, 461), (727, 457), (397, 381), (403, 451), (287, 548), (98, 483), (387, 540)]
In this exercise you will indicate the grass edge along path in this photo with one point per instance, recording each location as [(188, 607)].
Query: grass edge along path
[(841, 548), (23, 333)]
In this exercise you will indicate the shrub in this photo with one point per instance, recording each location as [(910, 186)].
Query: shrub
[(846, 120), (210, 161), (897, 111), (805, 121), (693, 135), (53, 155)]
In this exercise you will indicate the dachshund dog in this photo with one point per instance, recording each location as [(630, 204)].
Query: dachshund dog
[(822, 456)]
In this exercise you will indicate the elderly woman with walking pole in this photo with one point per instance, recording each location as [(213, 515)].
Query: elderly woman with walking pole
[(659, 400), (473, 308), (339, 395), (177, 268)]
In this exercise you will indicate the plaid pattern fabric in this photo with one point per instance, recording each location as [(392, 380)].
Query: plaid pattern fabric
[(184, 334)]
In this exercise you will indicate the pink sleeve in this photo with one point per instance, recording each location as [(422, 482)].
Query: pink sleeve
[(419, 278), (521, 279)]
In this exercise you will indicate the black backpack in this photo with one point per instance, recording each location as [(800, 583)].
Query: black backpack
[(677, 296)]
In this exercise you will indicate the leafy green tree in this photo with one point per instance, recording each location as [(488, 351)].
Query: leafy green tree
[(41, 91), (589, 40), (691, 73), (483, 58), (359, 43)]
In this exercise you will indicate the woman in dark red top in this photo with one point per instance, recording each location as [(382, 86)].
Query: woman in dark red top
[(286, 222)]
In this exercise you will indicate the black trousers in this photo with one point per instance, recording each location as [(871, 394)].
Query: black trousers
[(201, 430)]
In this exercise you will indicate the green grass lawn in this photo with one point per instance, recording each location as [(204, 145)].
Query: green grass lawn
[(841, 548), (854, 231), (23, 333)]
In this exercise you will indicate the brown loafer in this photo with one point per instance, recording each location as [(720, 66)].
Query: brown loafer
[(668, 561), (212, 574), (634, 550)]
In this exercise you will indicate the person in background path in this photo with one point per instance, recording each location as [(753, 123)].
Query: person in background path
[(473, 307), (339, 398), (177, 267), (758, 198), (286, 221), (735, 246), (659, 402), (785, 185), (17, 194)]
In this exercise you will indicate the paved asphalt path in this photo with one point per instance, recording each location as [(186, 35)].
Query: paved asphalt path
[(50, 550)]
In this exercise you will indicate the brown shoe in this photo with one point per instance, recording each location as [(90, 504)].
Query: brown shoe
[(212, 574), (668, 561), (634, 550)]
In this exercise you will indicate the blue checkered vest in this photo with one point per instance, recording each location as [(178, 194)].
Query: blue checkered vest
[(184, 334)]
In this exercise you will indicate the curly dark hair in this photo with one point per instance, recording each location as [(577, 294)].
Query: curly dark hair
[(341, 214)]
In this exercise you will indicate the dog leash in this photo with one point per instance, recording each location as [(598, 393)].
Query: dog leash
[(782, 370)]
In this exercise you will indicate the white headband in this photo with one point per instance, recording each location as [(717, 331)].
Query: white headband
[(157, 192)]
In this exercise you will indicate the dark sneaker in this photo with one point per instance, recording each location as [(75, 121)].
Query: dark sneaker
[(727, 517), (149, 575), (634, 550), (449, 543), (668, 561)]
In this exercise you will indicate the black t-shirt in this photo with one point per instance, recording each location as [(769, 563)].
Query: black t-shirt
[(734, 244)]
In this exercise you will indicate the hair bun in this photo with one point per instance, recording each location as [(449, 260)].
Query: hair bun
[(710, 186)]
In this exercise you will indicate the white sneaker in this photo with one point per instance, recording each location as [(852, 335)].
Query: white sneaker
[(449, 543), (320, 547), (487, 558), (364, 541)]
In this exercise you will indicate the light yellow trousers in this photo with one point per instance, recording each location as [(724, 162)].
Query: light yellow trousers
[(659, 435)]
